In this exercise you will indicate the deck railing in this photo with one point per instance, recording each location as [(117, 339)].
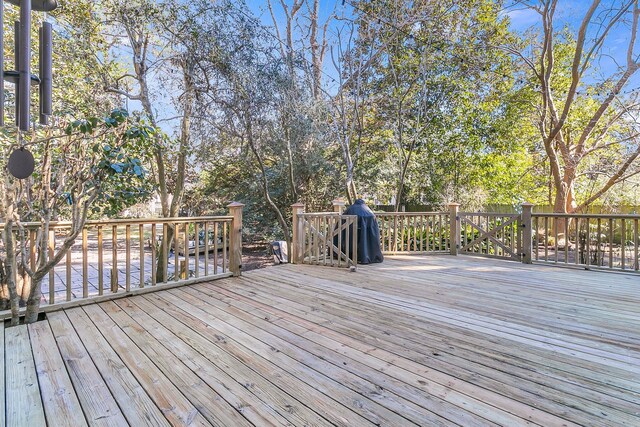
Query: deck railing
[(587, 240), (121, 257), (324, 238), (419, 232)]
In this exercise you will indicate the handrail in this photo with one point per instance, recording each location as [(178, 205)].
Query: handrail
[(111, 258), (132, 221), (576, 215)]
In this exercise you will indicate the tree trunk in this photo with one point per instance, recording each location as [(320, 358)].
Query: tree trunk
[(10, 270), (33, 303)]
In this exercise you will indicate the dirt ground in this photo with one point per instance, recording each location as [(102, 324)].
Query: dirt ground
[(256, 255)]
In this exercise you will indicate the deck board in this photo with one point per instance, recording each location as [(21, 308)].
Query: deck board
[(414, 341), (24, 405), (58, 396), (97, 402)]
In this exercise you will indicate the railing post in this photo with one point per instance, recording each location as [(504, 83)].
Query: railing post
[(454, 228), (527, 233), (296, 248), (235, 240), (338, 205)]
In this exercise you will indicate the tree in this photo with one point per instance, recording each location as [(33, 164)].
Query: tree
[(586, 114), (93, 164), (434, 100)]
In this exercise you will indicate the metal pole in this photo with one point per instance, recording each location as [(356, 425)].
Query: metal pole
[(46, 84), (24, 65)]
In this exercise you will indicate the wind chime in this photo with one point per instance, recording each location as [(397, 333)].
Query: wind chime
[(21, 162)]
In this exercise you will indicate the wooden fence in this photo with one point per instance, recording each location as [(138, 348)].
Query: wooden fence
[(115, 258), (591, 241)]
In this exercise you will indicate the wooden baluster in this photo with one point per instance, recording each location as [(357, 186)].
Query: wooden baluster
[(439, 232), (599, 243), (514, 230), (422, 235), (401, 230), (566, 238), (325, 228), (354, 221), (154, 256), (488, 229), (114, 258), (68, 278), (428, 233), (588, 241), (340, 242), (546, 239), (141, 241), (534, 234), (610, 242), (225, 243), (206, 248), (380, 220), (100, 263), (176, 251), (85, 264), (347, 241), (128, 255), (555, 236), (196, 254), (215, 247), (395, 234), (623, 239), (330, 230), (417, 232), (184, 266), (317, 239), (389, 233), (578, 243), (165, 251), (635, 244), (52, 274)]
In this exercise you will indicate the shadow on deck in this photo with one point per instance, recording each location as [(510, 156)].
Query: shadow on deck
[(432, 340)]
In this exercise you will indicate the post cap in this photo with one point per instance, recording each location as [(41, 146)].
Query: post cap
[(338, 202), (527, 204), (453, 204), (298, 205), (235, 205)]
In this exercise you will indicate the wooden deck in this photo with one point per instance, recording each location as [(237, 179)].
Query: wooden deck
[(435, 340)]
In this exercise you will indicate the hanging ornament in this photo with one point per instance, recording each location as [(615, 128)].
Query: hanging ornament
[(21, 163)]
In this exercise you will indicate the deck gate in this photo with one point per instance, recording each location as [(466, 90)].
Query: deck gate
[(326, 239)]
